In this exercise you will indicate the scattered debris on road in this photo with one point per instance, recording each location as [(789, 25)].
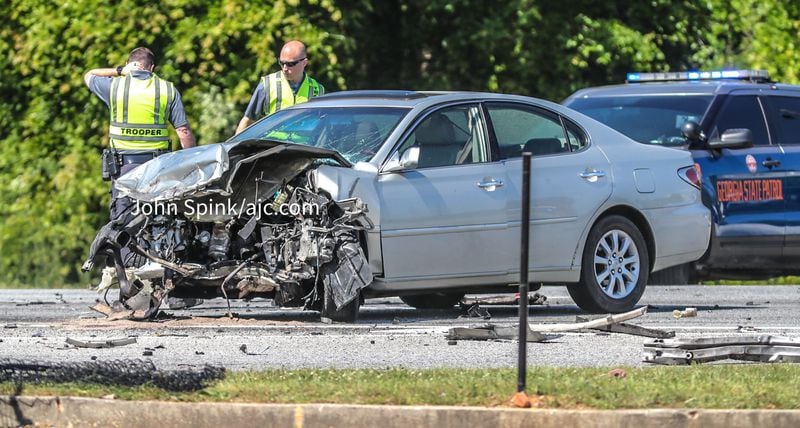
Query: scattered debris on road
[(243, 348), (491, 332), (495, 332), (763, 348), (113, 314), (535, 299), (686, 313), (632, 329), (475, 311), (35, 302), (109, 343), (596, 323)]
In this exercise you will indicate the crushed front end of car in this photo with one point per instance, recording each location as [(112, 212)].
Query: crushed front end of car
[(235, 220)]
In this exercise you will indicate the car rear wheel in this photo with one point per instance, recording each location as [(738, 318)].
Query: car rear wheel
[(433, 300), (614, 267)]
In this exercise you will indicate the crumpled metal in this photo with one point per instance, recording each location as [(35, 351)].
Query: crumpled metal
[(176, 174)]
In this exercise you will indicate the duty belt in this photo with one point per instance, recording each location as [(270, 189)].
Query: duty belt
[(139, 156)]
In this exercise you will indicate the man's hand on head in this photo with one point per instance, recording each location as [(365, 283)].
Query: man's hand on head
[(131, 66)]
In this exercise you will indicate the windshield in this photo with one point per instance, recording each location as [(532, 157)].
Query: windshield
[(355, 132), (650, 119)]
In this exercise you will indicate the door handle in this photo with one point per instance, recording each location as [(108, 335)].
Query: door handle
[(489, 184), (592, 174), (769, 162)]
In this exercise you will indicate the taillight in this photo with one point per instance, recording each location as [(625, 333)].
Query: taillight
[(691, 175)]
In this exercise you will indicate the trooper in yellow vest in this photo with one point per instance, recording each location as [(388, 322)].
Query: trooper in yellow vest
[(284, 88), (140, 104)]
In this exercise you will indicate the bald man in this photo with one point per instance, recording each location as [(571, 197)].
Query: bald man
[(287, 87)]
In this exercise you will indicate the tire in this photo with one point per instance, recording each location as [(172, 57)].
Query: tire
[(347, 313), (612, 281), (676, 275), (433, 300)]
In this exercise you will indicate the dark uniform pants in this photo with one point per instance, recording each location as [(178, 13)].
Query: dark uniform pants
[(119, 205), (129, 162)]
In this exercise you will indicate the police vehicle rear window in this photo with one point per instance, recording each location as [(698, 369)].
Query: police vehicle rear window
[(649, 119)]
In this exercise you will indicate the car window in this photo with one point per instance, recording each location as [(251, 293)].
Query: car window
[(741, 111), (577, 139), (649, 119), (449, 136), (355, 132), (786, 118), (521, 129)]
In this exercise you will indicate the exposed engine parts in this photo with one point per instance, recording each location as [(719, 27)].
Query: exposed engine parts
[(277, 240)]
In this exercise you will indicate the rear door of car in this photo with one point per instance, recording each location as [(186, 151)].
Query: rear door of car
[(446, 217), (784, 118), (570, 179), (746, 185)]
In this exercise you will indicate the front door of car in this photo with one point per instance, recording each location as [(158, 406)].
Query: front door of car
[(745, 187), (446, 215), (570, 181)]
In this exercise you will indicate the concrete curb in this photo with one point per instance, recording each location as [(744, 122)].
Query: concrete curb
[(71, 411)]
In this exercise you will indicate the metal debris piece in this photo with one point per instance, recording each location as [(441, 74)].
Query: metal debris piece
[(110, 343), (243, 348), (764, 348), (686, 313), (632, 329), (510, 300), (112, 314), (475, 311), (35, 302), (596, 323), (160, 334), (492, 332)]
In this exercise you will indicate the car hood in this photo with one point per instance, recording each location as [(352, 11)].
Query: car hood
[(217, 169)]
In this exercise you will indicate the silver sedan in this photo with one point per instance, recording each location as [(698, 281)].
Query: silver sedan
[(413, 194)]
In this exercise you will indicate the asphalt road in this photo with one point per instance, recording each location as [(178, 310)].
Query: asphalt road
[(35, 324)]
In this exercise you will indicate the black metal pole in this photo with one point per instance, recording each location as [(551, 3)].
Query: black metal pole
[(523, 272)]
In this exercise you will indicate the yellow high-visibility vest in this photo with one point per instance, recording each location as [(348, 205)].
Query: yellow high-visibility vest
[(281, 95), (139, 113)]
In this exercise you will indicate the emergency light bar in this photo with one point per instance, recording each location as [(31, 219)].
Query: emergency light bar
[(751, 75)]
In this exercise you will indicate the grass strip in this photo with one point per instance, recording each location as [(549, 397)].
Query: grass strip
[(723, 386)]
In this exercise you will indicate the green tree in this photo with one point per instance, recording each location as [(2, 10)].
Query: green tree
[(52, 200), (52, 129), (753, 34)]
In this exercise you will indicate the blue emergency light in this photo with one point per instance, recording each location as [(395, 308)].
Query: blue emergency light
[(751, 75)]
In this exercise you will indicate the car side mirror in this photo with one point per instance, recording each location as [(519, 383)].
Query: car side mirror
[(692, 132), (409, 159), (734, 138)]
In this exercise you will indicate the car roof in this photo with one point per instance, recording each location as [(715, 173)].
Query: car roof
[(408, 99), (710, 87)]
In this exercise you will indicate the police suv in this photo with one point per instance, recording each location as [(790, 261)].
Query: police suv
[(743, 131)]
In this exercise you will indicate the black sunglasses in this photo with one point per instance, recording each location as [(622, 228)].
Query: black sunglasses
[(289, 63)]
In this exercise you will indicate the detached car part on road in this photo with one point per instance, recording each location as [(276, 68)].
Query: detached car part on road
[(379, 193)]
